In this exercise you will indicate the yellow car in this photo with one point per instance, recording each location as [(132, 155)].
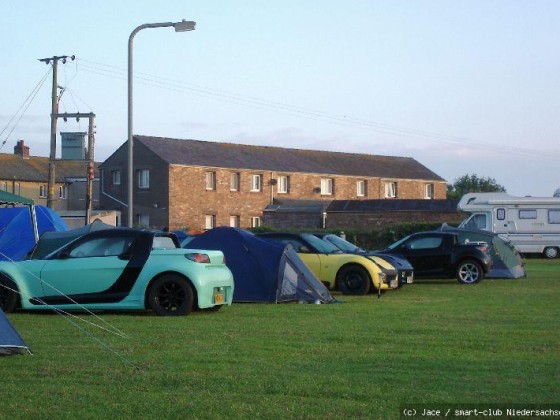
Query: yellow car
[(350, 274)]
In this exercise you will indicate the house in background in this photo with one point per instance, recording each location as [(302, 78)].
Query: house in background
[(195, 184), (27, 176)]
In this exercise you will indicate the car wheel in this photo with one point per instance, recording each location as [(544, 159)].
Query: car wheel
[(469, 272), (8, 294), (171, 295), (353, 280), (550, 252)]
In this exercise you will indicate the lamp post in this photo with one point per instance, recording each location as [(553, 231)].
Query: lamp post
[(182, 26)]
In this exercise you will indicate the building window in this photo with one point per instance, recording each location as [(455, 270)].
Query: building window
[(361, 188), (429, 191), (390, 189), (63, 192), (327, 186), (209, 221), (144, 178), (234, 221), (116, 177), (283, 184), (256, 183), (234, 181), (4, 186), (17, 188), (210, 181), (143, 220), (255, 221), (42, 191)]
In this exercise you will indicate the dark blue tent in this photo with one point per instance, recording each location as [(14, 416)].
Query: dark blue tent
[(10, 341), (263, 271), (17, 235)]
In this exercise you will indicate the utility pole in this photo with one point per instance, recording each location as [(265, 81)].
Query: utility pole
[(54, 112)]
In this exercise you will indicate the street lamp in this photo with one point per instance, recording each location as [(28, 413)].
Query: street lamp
[(182, 26)]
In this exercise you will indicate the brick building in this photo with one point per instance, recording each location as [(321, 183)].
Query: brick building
[(198, 184)]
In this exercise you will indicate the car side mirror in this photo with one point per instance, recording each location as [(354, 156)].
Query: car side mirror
[(303, 249)]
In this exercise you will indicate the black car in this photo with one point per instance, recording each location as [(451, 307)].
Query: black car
[(442, 255), (404, 268)]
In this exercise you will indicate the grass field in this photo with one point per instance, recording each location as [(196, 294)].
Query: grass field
[(428, 343)]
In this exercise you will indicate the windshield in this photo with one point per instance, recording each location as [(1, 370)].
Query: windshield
[(323, 247), (343, 244), (398, 243)]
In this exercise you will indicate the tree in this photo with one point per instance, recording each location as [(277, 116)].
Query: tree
[(472, 183)]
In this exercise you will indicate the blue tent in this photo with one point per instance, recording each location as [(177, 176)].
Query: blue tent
[(263, 271), (17, 232), (10, 341)]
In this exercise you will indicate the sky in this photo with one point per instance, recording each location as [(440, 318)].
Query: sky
[(462, 86)]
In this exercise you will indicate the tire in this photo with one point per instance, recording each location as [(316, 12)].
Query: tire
[(550, 252), (469, 272), (353, 280), (171, 295), (8, 294)]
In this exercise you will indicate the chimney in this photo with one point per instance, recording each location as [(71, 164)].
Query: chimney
[(21, 150)]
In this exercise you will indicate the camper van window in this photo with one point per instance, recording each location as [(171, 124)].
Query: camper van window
[(501, 214), (527, 214), (554, 216)]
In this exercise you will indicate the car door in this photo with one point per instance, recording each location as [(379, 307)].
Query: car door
[(428, 254), (89, 266)]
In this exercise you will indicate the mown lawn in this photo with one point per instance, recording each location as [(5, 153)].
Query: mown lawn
[(430, 342)]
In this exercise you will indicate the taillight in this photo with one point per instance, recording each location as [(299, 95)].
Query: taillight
[(198, 258), (483, 248)]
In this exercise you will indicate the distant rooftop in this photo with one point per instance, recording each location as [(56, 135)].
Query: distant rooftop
[(278, 159)]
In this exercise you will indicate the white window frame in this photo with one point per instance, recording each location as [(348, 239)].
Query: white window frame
[(234, 181), (42, 191), (283, 186), (209, 221), (234, 221), (17, 188), (3, 186), (143, 179), (63, 192), (210, 181), (361, 188), (143, 220), (256, 183), (391, 189), (116, 177), (255, 221), (327, 186), (429, 191)]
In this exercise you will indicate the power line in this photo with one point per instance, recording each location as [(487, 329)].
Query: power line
[(27, 102), (301, 112)]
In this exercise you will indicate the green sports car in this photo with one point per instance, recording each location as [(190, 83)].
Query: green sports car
[(119, 269)]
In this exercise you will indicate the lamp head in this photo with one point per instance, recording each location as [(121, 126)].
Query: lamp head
[(184, 26)]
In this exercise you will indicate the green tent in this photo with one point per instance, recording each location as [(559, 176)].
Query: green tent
[(12, 199)]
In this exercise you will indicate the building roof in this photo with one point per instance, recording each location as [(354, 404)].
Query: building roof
[(278, 159), (36, 169), (388, 205)]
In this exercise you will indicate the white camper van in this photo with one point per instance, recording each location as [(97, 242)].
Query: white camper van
[(532, 224)]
